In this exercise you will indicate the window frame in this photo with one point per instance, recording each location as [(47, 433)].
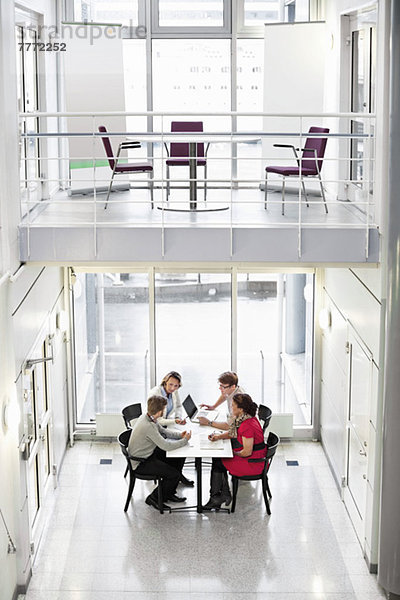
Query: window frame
[(182, 31)]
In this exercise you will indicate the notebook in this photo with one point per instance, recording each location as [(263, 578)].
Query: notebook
[(194, 413)]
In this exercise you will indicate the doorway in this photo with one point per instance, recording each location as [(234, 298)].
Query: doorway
[(37, 429), (362, 92), (26, 37)]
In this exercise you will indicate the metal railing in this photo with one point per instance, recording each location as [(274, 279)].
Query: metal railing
[(62, 156)]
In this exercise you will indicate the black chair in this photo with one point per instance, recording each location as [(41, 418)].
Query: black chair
[(264, 415), (133, 411), (272, 444), (123, 440)]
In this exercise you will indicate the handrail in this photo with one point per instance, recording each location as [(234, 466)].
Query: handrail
[(226, 171), (180, 113)]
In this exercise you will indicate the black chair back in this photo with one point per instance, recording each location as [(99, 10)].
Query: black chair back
[(133, 411), (264, 414), (123, 440), (272, 444)]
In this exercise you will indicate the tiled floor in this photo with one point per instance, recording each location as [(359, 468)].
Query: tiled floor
[(306, 550)]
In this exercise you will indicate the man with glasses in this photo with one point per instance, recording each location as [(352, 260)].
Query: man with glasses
[(229, 386)]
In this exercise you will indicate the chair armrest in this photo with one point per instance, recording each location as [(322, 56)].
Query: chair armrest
[(125, 145), (308, 150), (283, 146), (206, 149), (289, 146), (166, 149)]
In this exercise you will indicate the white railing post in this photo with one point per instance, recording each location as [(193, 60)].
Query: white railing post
[(300, 184), (94, 186)]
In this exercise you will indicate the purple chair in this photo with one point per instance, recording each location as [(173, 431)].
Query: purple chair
[(124, 168), (178, 153), (309, 165)]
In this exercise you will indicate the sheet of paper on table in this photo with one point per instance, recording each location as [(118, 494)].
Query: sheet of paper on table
[(206, 444)]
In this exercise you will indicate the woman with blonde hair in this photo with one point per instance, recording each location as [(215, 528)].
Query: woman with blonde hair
[(172, 412), (168, 389)]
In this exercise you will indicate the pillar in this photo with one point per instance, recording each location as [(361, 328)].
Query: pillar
[(389, 555)]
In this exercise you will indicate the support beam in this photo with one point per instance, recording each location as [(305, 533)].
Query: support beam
[(389, 555)]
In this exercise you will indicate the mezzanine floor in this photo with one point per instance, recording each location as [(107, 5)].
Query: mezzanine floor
[(79, 229), (306, 550)]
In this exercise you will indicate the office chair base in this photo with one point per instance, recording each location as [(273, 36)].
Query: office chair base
[(190, 210)]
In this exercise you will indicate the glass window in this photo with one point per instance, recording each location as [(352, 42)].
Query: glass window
[(191, 75), (257, 13), (194, 75), (134, 55), (111, 342), (193, 330), (250, 73), (104, 11), (274, 337), (181, 13)]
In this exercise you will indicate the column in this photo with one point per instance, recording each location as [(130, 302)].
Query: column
[(389, 555)]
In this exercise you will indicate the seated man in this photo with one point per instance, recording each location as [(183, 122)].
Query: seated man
[(150, 441)]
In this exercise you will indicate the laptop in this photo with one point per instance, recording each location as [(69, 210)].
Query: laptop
[(194, 413)]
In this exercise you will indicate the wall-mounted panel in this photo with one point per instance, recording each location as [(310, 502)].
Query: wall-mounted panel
[(333, 434), (30, 315), (357, 304)]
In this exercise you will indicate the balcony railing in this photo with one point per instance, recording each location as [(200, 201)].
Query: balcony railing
[(65, 174)]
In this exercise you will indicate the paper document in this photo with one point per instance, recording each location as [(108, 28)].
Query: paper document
[(206, 444)]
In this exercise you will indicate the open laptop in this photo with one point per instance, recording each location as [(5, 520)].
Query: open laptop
[(194, 413)]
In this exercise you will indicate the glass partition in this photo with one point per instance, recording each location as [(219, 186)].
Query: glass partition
[(111, 342), (193, 330), (202, 323)]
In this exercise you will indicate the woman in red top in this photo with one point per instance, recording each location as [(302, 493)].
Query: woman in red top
[(247, 442)]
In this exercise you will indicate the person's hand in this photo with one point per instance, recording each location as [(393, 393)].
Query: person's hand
[(187, 435), (207, 406), (213, 437), (204, 421), (180, 421)]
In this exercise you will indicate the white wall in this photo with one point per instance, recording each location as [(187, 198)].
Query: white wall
[(28, 309), (8, 457), (354, 300)]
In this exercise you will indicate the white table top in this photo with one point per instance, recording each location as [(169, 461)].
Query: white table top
[(193, 450)]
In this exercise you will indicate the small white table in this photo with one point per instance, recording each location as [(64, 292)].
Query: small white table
[(193, 450)]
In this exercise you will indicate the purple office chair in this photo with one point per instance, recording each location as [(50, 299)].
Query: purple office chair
[(124, 168), (311, 164), (178, 153)]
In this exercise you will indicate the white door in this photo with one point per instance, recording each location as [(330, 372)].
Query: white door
[(360, 382), (38, 435)]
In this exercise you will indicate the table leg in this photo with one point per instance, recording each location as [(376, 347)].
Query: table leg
[(197, 462), (193, 174)]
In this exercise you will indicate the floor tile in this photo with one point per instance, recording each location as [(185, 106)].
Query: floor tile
[(93, 550)]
